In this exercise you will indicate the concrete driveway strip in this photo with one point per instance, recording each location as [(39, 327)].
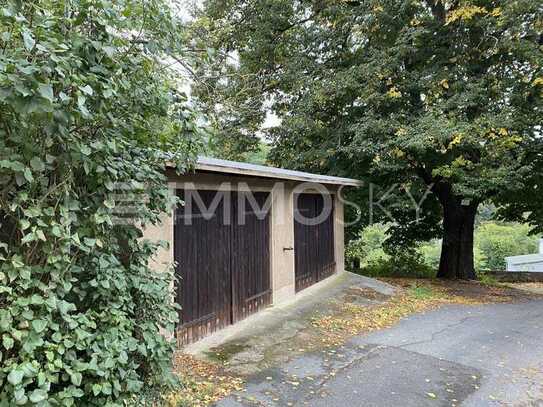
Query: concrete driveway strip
[(489, 355)]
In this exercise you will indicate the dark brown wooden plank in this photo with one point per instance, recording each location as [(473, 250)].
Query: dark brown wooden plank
[(202, 253), (251, 260), (313, 244), (224, 269)]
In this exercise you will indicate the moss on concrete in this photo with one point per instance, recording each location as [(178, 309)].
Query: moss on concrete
[(225, 352)]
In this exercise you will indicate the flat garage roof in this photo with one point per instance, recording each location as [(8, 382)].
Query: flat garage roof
[(239, 168)]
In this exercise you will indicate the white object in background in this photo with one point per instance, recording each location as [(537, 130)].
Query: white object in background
[(528, 262)]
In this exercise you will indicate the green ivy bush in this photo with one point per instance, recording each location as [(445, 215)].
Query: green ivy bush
[(87, 104)]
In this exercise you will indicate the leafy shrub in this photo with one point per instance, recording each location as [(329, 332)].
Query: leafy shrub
[(83, 108), (431, 253), (493, 242), (499, 240), (368, 246), (375, 262), (487, 278), (402, 264)]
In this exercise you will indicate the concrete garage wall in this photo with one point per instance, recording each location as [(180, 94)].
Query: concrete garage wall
[(282, 232), (163, 231), (281, 227), (339, 233), (164, 257)]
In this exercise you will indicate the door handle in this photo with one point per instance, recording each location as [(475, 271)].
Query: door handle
[(287, 248)]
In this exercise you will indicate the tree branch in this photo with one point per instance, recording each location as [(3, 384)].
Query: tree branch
[(438, 9)]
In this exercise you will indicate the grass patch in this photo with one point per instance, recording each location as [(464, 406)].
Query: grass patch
[(421, 292), (489, 280)]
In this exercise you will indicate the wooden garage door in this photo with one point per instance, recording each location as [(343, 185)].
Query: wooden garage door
[(223, 261), (313, 243), (250, 259)]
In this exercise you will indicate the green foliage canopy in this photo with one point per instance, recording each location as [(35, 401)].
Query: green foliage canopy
[(86, 105), (439, 94), (450, 88)]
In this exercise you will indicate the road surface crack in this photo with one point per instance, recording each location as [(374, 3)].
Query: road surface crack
[(435, 334)]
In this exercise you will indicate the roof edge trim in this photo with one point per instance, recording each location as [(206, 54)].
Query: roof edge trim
[(254, 170)]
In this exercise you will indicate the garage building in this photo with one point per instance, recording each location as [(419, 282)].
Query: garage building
[(247, 237)]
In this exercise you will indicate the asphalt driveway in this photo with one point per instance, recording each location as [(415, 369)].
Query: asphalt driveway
[(488, 355)]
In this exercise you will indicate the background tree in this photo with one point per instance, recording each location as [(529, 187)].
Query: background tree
[(87, 103), (445, 95)]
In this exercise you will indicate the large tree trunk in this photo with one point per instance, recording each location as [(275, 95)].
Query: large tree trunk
[(456, 260)]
